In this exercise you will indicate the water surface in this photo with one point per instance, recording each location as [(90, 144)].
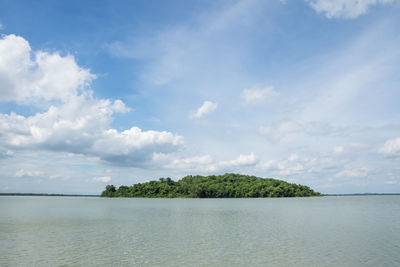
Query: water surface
[(321, 231)]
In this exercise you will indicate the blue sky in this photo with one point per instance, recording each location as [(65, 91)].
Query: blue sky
[(120, 92)]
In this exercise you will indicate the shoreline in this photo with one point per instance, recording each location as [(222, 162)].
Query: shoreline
[(46, 195), (78, 195)]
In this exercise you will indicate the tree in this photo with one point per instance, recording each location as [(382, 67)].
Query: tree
[(229, 185), (109, 192)]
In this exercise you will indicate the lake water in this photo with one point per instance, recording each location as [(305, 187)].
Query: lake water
[(321, 231)]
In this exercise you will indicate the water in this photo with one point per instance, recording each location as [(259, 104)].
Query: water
[(326, 231)]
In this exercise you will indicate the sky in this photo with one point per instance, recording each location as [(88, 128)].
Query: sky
[(120, 92)]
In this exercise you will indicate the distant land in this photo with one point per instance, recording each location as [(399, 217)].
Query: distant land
[(362, 194), (229, 185), (46, 195), (77, 195)]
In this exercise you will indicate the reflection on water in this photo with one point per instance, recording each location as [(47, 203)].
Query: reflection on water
[(326, 231)]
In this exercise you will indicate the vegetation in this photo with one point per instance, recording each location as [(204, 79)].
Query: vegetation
[(214, 186)]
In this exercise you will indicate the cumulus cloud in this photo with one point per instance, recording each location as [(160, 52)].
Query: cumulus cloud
[(284, 167), (206, 163), (28, 76), (82, 127), (391, 147), (301, 164), (257, 94), (76, 122), (348, 9), (242, 160), (200, 163), (206, 108), (104, 179), (134, 146), (119, 106)]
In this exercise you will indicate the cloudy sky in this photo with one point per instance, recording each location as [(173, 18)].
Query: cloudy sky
[(120, 92)]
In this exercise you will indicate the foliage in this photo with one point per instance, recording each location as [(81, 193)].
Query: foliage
[(214, 186)]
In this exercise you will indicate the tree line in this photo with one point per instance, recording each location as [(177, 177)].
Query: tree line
[(214, 186)]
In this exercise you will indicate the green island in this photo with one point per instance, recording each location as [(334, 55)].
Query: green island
[(228, 185)]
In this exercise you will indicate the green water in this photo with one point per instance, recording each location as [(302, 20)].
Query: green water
[(322, 231)]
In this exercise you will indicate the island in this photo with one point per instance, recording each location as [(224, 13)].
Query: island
[(229, 185)]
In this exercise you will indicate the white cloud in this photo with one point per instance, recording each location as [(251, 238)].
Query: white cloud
[(295, 128), (134, 146), (240, 161), (75, 122), (391, 147), (206, 108), (120, 106), (348, 9), (293, 157), (206, 163), (301, 164), (1, 26), (55, 176), (201, 163), (285, 167), (360, 172), (28, 76), (257, 95), (25, 173), (82, 127), (104, 179), (338, 149)]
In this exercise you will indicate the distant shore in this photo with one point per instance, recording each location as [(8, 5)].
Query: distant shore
[(362, 194), (46, 195)]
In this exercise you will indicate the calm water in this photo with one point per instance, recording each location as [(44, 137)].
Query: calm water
[(328, 231)]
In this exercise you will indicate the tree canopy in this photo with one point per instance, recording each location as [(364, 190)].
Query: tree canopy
[(214, 186)]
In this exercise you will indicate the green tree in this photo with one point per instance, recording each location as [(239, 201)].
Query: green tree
[(109, 192), (229, 185)]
